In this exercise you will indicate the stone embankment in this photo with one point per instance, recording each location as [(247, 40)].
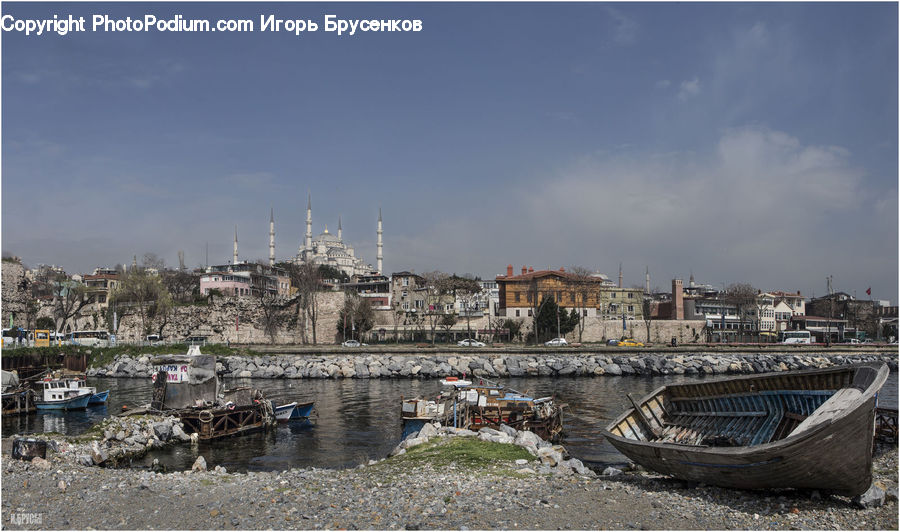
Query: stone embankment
[(113, 442), (373, 366)]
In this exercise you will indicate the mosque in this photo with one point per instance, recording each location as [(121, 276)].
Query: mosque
[(330, 249)]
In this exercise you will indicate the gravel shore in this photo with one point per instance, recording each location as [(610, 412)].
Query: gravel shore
[(400, 493)]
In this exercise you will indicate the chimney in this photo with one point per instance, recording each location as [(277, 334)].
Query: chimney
[(677, 300), (531, 269), (509, 270), (524, 270), (562, 269)]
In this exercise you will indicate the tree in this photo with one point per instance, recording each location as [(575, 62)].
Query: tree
[(742, 296), (271, 318), (147, 296), (514, 327), (182, 284), (356, 317), (583, 283), (447, 322), (554, 320), (153, 261), (467, 290), (647, 308), (69, 297), (435, 288)]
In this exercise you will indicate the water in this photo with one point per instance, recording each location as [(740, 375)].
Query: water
[(359, 420)]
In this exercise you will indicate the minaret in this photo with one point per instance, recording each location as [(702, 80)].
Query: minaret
[(272, 237), (235, 246), (380, 255), (308, 245), (340, 237), (620, 275), (647, 282)]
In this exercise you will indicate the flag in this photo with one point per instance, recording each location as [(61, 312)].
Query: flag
[(869, 291), (237, 322)]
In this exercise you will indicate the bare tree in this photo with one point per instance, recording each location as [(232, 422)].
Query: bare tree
[(584, 284), (435, 286), (146, 294), (467, 290), (69, 298), (742, 296), (153, 261), (182, 284), (270, 305)]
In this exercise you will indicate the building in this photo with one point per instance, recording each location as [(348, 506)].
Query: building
[(245, 279), (408, 292), (100, 285), (591, 296), (374, 287), (329, 249), (859, 314), (824, 329)]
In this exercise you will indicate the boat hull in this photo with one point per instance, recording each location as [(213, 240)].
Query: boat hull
[(283, 412), (302, 411), (834, 455), (99, 398), (75, 403)]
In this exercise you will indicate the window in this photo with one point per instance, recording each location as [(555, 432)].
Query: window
[(630, 295), (406, 281), (517, 313), (630, 308), (613, 295), (405, 305), (404, 293), (518, 297), (584, 313), (529, 312), (420, 303)]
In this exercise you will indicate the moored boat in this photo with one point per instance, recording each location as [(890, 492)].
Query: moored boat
[(283, 412), (303, 410), (798, 429), (58, 396)]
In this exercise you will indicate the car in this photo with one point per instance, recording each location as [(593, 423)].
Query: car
[(612, 341), (629, 342), (351, 343), (470, 342), (556, 342), (851, 341)]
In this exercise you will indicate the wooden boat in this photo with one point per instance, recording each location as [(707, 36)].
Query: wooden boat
[(99, 398), (58, 396), (283, 412), (485, 404), (798, 429), (303, 410)]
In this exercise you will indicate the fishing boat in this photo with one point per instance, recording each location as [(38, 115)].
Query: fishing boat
[(808, 429), (486, 404), (303, 410), (78, 382), (58, 396), (283, 412)]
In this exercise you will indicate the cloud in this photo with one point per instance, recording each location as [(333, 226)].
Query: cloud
[(758, 205), (689, 88), (625, 28), (663, 83)]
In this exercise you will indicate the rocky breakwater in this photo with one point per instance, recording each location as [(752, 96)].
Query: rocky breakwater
[(548, 458), (373, 366), (112, 442)]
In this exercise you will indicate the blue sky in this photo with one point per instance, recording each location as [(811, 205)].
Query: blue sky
[(740, 142)]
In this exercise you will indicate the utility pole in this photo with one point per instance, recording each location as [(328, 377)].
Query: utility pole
[(830, 313)]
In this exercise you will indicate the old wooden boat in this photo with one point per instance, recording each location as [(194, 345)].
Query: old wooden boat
[(283, 412), (797, 429), (58, 396), (303, 410)]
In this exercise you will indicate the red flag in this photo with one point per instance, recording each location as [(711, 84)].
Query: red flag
[(869, 291)]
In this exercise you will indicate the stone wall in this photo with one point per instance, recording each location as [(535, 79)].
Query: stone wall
[(13, 298), (496, 365)]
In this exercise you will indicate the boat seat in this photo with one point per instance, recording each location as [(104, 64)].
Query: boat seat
[(836, 403)]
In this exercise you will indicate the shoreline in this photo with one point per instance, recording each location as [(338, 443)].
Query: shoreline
[(503, 364), (395, 494)]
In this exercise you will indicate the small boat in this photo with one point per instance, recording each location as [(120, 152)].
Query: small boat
[(283, 412), (809, 429), (58, 396), (303, 410), (99, 398)]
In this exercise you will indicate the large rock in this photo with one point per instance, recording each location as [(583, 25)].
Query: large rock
[(40, 463), (525, 437), (550, 456), (98, 454), (179, 433), (872, 498), (199, 464), (162, 430), (511, 432), (412, 442), (428, 430), (612, 369)]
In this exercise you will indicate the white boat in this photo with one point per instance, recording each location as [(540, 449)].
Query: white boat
[(283, 412), (58, 396)]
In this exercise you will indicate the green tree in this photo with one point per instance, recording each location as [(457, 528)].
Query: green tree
[(355, 318), (554, 321), (147, 296)]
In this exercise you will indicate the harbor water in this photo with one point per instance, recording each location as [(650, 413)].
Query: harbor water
[(356, 420)]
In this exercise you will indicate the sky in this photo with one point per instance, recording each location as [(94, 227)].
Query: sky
[(736, 142)]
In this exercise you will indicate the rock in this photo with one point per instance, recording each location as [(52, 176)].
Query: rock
[(579, 467), (120, 435), (872, 498), (549, 456), (162, 430), (490, 431), (98, 454), (511, 432), (524, 438), (890, 495), (412, 442), (611, 472), (220, 470), (61, 485), (179, 434), (428, 430), (612, 369), (84, 459), (40, 463), (521, 461), (199, 464)]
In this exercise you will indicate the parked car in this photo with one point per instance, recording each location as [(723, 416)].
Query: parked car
[(612, 341), (630, 342), (851, 341), (470, 342), (556, 342), (351, 343)]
